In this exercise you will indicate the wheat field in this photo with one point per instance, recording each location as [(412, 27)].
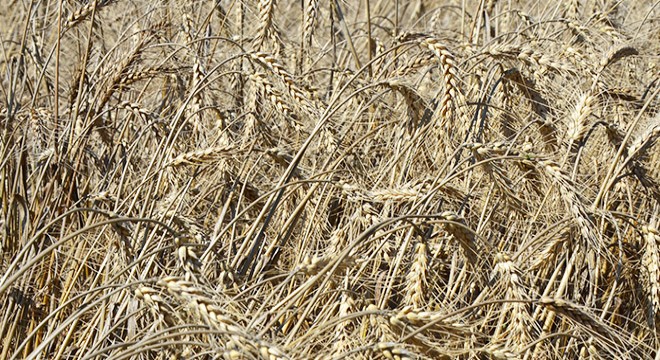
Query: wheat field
[(423, 179)]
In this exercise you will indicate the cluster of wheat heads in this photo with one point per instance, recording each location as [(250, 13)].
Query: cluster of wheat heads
[(329, 179)]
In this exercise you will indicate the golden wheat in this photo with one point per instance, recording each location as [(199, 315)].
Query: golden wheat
[(329, 180)]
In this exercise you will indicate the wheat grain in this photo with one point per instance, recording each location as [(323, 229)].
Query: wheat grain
[(650, 262), (456, 227), (417, 284), (81, 14), (202, 156), (577, 121), (615, 54), (296, 93), (453, 96), (311, 13)]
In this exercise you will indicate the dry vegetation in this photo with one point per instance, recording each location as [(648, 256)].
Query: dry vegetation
[(330, 179)]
